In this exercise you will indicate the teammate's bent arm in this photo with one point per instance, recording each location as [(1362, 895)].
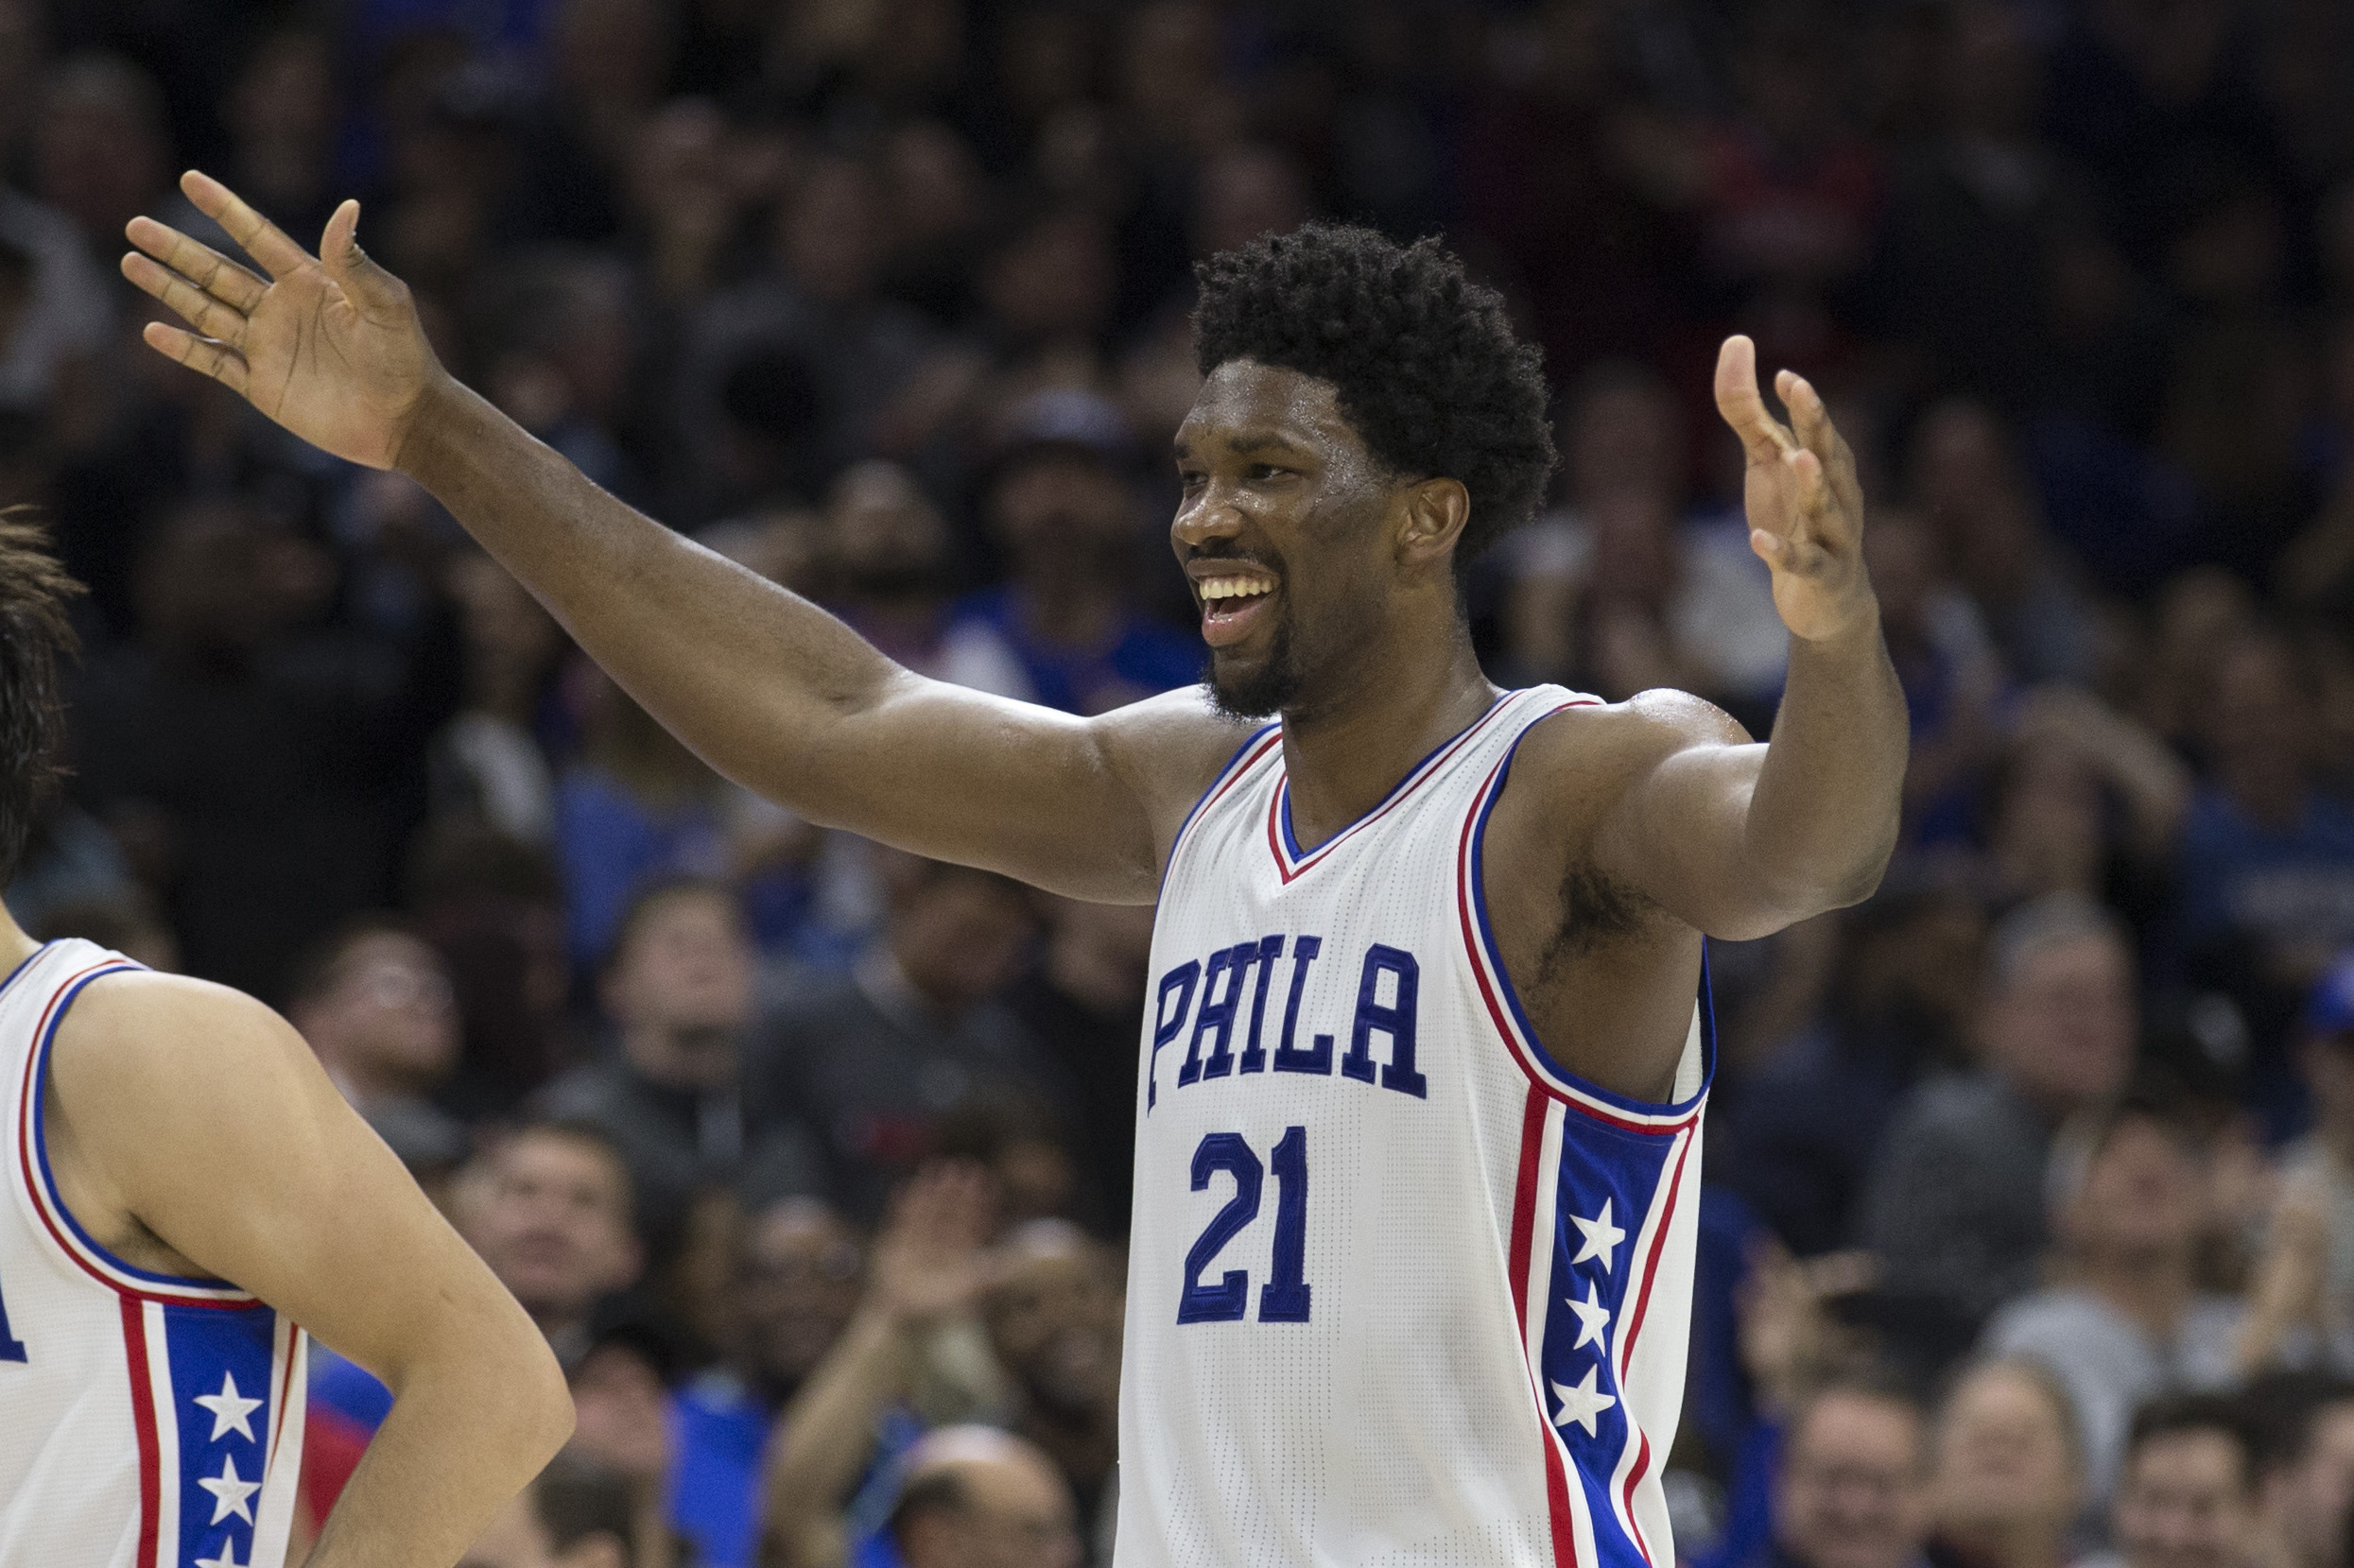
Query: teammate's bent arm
[(765, 686), (196, 1115)]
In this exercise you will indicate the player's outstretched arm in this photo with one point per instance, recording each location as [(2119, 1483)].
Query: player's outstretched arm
[(1740, 840), (197, 1113), (768, 688)]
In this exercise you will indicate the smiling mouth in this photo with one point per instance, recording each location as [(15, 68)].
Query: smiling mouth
[(1232, 605)]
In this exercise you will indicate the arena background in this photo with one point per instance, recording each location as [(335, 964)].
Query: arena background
[(888, 300)]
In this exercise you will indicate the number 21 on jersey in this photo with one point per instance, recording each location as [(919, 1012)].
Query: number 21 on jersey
[(1284, 1296)]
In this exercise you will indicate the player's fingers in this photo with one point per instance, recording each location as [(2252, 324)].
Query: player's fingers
[(203, 265), (261, 239), (370, 286), (191, 304), (1742, 405), (218, 360), (1786, 555), (1811, 419)]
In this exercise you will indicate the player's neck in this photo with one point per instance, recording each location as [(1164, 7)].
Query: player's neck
[(1343, 755), (15, 947)]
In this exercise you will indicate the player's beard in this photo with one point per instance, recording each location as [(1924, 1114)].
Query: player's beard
[(1264, 692)]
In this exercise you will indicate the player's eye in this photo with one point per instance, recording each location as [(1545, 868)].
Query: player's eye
[(1260, 472)]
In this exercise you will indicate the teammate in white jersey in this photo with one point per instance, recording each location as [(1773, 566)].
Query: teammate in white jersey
[(1426, 956), (187, 1193)]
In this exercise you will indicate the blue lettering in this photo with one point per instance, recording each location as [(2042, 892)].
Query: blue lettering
[(1253, 1054), (1166, 1024), (1287, 1058), (1395, 1020), (1217, 1014)]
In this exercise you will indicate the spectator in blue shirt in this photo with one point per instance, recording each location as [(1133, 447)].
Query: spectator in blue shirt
[(1061, 506), (798, 1280), (2267, 853)]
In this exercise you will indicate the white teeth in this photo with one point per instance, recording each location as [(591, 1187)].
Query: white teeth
[(1235, 588)]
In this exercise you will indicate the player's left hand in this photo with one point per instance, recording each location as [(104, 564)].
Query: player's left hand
[(1806, 510)]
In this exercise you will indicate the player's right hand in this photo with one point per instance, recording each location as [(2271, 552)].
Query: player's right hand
[(330, 348)]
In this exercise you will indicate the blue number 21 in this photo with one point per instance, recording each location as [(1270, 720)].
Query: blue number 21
[(11, 1348), (1284, 1298)]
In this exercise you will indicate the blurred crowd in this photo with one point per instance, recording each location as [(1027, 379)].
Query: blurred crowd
[(2030, 1228)]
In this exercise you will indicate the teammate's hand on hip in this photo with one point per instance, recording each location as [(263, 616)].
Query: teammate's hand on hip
[(1806, 510), (330, 348)]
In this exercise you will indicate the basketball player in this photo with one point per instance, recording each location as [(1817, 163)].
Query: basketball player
[(1422, 1067), (185, 1188)]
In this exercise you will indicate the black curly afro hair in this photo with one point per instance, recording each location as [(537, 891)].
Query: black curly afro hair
[(1422, 359)]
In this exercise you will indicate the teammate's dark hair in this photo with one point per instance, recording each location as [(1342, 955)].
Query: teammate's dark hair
[(1422, 360), (35, 632), (577, 1497)]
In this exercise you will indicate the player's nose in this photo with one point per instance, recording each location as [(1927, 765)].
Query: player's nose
[(1208, 516)]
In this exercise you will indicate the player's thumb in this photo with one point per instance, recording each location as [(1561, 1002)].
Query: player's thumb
[(367, 286)]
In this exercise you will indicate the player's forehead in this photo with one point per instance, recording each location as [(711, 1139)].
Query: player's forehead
[(1245, 406)]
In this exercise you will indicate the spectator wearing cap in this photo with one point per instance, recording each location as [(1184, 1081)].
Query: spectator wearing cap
[(1955, 1207), (678, 992), (2187, 1495), (2128, 1322), (1060, 506)]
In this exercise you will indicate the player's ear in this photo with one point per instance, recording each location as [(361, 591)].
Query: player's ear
[(1435, 512)]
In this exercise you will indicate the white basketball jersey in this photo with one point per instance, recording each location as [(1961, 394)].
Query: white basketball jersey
[(145, 1422), (1401, 1291)]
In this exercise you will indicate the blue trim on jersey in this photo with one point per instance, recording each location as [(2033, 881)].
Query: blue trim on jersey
[(1201, 799), (1283, 803), (1512, 996), (210, 1350), (40, 1140)]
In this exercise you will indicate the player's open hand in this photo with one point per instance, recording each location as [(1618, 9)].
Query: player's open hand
[(1806, 510), (329, 346)]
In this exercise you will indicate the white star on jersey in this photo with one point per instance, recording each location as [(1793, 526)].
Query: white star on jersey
[(1582, 1403), (230, 1495), (1592, 1316), (1601, 1237), (229, 1411), (228, 1557)]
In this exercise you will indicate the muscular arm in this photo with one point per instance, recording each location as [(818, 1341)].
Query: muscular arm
[(195, 1116), (765, 686), (1738, 839)]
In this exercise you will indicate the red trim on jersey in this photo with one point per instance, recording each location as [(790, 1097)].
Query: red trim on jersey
[(1424, 771), (1500, 1015), (1634, 1327), (1237, 766), (1532, 1119), (26, 1105), (143, 1417)]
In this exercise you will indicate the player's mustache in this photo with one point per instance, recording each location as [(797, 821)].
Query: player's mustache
[(1239, 556)]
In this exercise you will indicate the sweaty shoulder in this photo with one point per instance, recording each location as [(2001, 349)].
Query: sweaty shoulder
[(1589, 756), (1170, 748)]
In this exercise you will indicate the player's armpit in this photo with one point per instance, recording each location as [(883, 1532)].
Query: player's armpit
[(208, 1120)]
